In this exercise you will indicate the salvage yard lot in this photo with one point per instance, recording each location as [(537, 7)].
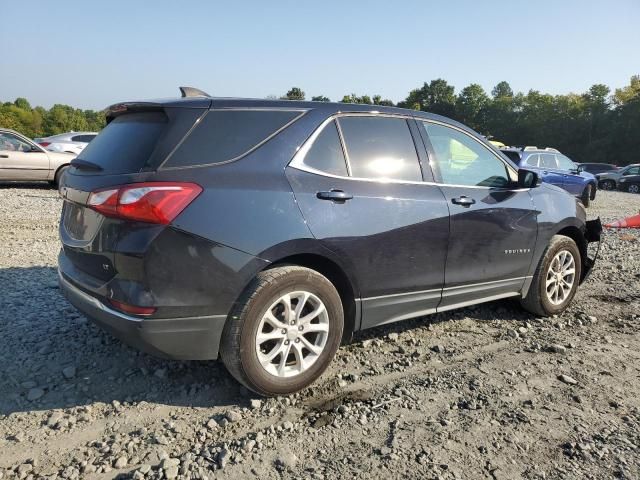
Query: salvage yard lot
[(484, 392)]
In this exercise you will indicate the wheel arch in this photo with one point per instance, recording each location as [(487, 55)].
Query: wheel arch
[(58, 168), (577, 235), (340, 280)]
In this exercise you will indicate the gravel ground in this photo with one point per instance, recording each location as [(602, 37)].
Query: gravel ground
[(484, 392)]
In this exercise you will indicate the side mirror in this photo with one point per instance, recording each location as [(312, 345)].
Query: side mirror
[(34, 149), (581, 168), (528, 179)]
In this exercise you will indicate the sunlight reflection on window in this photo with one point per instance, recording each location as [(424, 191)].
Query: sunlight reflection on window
[(385, 166)]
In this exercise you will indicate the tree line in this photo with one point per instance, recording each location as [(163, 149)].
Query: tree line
[(595, 126)]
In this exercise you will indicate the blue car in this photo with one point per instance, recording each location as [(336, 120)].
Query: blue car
[(555, 168)]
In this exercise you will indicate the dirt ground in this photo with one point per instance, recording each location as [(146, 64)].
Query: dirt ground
[(484, 392)]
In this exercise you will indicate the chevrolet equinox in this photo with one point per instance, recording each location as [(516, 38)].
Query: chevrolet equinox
[(267, 232)]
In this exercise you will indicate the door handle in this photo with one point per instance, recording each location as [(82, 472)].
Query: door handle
[(464, 201), (4, 156), (335, 196)]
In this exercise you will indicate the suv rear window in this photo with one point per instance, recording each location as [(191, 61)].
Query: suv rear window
[(225, 135), (125, 145)]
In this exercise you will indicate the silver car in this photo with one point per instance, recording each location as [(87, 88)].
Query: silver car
[(71, 142), (609, 180), (23, 159)]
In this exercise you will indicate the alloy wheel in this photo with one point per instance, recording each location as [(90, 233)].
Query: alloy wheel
[(560, 277), (634, 188), (292, 334)]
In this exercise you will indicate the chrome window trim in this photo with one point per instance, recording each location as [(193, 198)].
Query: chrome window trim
[(297, 161)]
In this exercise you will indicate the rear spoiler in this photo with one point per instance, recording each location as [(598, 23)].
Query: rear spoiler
[(190, 98)]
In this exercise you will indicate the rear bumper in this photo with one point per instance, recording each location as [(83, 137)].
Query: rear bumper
[(189, 338)]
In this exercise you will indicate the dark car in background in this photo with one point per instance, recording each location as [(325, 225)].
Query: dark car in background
[(596, 168), (612, 180), (267, 232), (630, 182), (556, 169)]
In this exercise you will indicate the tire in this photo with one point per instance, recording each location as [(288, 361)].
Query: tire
[(594, 191), (633, 188), (608, 185), (585, 198), (538, 301), (239, 344), (58, 176)]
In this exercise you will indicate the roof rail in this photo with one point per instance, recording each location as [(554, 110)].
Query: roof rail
[(530, 147), (193, 92), (549, 149)]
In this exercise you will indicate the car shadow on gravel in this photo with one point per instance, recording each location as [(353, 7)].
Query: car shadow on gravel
[(53, 357)]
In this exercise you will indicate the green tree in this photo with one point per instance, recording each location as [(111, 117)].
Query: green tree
[(294, 94), (471, 105), (501, 90)]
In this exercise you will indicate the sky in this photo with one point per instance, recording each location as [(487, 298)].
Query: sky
[(92, 54)]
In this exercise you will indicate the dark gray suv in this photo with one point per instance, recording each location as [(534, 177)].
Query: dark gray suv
[(268, 232)]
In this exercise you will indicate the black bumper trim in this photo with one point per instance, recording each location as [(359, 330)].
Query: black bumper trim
[(188, 338)]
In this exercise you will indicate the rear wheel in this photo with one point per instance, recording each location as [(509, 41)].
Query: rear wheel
[(556, 279), (607, 185), (284, 331), (633, 188), (586, 195)]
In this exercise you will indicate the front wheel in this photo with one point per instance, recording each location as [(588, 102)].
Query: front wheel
[(633, 188), (556, 279), (284, 331)]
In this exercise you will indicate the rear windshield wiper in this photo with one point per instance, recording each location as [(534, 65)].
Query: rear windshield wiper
[(81, 164)]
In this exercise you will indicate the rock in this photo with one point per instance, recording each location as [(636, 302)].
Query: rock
[(69, 372), (171, 472), (144, 469), (169, 462), (287, 425), (286, 459), (522, 331), (54, 418), (233, 416), (223, 458), (160, 373), (212, 424), (249, 445), (24, 469), (394, 337), (34, 394), (567, 379), (513, 333), (121, 462), (385, 451), (438, 348), (255, 404), (557, 349)]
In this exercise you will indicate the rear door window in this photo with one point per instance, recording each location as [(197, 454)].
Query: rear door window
[(532, 160), (225, 135), (83, 138), (126, 143), (326, 153), (548, 160), (380, 148)]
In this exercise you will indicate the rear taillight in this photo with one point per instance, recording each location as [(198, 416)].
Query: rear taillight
[(44, 144), (152, 202), (133, 309)]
